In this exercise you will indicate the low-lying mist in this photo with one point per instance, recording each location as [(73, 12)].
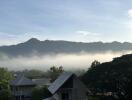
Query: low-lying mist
[(68, 61)]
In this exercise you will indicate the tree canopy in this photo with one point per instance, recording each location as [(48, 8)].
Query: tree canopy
[(40, 93), (54, 72), (114, 76), (5, 77)]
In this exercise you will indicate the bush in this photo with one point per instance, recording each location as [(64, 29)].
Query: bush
[(5, 95), (40, 93)]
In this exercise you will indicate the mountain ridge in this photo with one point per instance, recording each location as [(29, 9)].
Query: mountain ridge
[(61, 46)]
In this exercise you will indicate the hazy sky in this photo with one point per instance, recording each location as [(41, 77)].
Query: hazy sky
[(75, 20)]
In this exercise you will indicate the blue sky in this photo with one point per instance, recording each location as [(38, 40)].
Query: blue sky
[(72, 20)]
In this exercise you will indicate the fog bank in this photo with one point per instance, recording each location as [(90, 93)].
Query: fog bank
[(68, 61)]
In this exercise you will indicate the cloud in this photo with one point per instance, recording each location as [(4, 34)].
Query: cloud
[(8, 39), (56, 20), (82, 60), (129, 24), (11, 38), (130, 12), (86, 36), (7, 35), (87, 33)]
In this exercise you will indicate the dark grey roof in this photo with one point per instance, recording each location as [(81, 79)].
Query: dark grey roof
[(41, 81), (59, 82), (21, 81)]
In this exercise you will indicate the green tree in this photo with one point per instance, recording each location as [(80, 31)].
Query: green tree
[(5, 77), (55, 72), (114, 77), (5, 94), (40, 93)]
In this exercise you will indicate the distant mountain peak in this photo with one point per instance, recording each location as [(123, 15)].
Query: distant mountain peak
[(33, 40), (34, 45), (116, 42)]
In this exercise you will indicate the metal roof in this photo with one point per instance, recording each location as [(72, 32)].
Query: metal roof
[(41, 81), (20, 80), (59, 82)]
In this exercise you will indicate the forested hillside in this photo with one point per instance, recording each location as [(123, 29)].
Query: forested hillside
[(114, 77)]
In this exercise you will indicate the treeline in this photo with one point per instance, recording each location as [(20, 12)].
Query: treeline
[(52, 72), (111, 78)]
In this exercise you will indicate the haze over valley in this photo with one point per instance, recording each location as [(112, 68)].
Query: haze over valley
[(36, 54)]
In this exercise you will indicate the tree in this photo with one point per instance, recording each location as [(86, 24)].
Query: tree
[(5, 94), (55, 72), (114, 77), (40, 93), (129, 89), (95, 63), (5, 77)]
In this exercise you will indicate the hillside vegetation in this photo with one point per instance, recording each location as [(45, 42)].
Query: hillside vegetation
[(113, 77)]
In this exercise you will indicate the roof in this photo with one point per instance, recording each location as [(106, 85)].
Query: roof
[(59, 82), (41, 81), (20, 80)]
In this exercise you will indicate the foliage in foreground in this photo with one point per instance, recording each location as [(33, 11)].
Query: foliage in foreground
[(100, 98), (40, 93), (5, 77), (114, 77)]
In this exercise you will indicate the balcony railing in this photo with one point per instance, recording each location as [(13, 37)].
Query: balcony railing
[(19, 93)]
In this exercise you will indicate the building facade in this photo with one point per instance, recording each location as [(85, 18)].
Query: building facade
[(21, 88), (67, 87)]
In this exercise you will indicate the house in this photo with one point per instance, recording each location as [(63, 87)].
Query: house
[(21, 88), (67, 87), (40, 82)]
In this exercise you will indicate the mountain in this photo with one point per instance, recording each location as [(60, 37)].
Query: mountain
[(35, 46)]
